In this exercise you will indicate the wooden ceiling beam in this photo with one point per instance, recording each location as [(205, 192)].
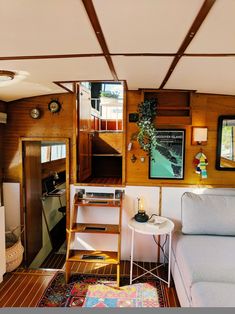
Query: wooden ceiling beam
[(205, 9), (61, 56), (88, 4)]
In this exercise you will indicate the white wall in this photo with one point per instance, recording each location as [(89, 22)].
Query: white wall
[(145, 247), (11, 199), (2, 244)]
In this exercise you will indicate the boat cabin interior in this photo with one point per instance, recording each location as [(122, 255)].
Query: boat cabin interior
[(117, 151)]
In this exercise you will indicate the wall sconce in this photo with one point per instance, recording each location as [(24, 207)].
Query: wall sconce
[(199, 135)]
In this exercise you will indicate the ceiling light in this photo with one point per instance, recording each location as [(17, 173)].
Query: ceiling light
[(6, 75)]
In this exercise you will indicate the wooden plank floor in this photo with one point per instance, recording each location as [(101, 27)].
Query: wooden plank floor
[(104, 180), (25, 287)]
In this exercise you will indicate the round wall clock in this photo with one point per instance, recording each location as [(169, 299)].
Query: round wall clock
[(35, 113), (54, 106)]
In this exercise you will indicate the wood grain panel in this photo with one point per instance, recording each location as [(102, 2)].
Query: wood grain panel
[(107, 143), (20, 124), (33, 204), (205, 112), (48, 168), (84, 135), (2, 128), (24, 289)]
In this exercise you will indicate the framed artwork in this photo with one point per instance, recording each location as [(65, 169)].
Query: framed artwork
[(167, 160)]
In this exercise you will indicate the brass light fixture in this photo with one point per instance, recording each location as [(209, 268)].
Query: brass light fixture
[(6, 76)]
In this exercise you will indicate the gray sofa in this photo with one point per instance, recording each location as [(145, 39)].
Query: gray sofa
[(203, 252)]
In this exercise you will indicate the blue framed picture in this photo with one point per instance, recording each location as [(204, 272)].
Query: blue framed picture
[(167, 160)]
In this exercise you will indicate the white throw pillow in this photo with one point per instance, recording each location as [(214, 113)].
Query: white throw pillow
[(208, 214)]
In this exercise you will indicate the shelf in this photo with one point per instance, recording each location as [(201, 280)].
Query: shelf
[(75, 255), (173, 108), (106, 155), (99, 202), (173, 120), (108, 257), (95, 228)]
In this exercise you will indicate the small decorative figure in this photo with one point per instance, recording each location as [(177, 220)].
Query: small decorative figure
[(200, 161)]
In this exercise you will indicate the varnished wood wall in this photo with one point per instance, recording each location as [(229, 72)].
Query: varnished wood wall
[(49, 168), (205, 112), (20, 124), (2, 128)]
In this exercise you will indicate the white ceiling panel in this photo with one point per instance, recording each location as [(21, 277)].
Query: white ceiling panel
[(206, 75), (25, 89), (146, 25), (41, 74), (45, 27), (217, 33), (142, 72)]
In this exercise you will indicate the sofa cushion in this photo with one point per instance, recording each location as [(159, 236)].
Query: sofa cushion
[(208, 214), (204, 258), (213, 294)]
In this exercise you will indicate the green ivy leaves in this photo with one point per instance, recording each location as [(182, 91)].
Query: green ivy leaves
[(147, 136)]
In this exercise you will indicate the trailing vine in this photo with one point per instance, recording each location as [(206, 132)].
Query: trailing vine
[(146, 136)]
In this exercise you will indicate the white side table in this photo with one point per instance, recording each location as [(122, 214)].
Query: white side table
[(164, 228)]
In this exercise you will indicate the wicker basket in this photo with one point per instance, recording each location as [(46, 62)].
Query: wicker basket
[(14, 251)]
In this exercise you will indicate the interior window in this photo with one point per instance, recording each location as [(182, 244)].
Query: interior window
[(58, 152), (227, 148), (53, 152), (107, 105), (45, 153)]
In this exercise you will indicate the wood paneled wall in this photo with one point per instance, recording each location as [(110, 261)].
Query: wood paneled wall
[(2, 128), (20, 124), (205, 111)]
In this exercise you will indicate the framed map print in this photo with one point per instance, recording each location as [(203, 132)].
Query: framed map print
[(167, 160)]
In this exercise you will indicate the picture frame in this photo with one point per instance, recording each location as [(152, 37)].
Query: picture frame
[(167, 159)]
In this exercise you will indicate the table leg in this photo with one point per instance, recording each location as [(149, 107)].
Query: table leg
[(169, 261), (132, 252), (164, 250)]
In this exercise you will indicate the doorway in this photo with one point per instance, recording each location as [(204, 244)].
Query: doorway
[(44, 199), (101, 129)]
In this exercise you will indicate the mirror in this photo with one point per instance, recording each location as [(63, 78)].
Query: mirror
[(225, 157)]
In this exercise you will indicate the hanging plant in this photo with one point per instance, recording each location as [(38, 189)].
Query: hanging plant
[(146, 136)]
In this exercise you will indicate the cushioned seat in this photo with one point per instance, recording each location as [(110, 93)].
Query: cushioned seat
[(204, 258), (213, 294), (204, 252)]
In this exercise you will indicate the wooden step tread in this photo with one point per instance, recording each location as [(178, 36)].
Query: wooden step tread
[(95, 228), (108, 256), (98, 202)]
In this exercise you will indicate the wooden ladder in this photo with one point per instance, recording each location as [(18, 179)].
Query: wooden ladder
[(89, 256)]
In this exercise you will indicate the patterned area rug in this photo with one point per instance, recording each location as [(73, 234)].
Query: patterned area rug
[(90, 291)]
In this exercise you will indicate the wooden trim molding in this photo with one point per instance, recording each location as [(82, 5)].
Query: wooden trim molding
[(88, 4), (91, 55), (205, 9)]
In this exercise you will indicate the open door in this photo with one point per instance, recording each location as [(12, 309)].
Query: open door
[(44, 197), (33, 193), (85, 136)]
